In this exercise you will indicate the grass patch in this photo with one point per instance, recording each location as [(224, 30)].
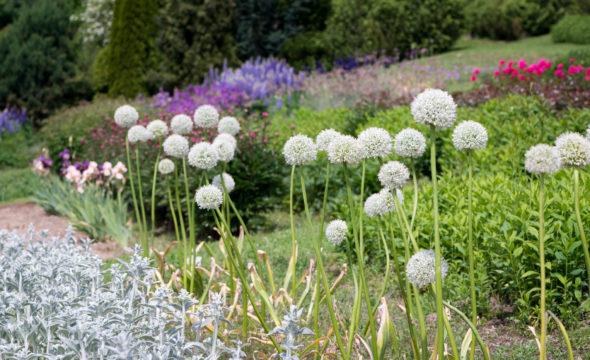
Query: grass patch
[(17, 184)]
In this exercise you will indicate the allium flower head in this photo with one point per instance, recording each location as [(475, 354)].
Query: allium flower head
[(345, 149), (228, 180), (336, 231), (434, 107), (393, 175), (300, 150), (379, 204), (126, 116), (158, 128), (206, 116), (138, 133), (228, 125), (325, 137), (470, 135), (181, 124), (226, 137), (225, 150), (209, 197), (542, 159), (376, 142), (420, 269), (175, 146), (409, 143), (203, 156), (574, 149), (588, 133), (165, 166)]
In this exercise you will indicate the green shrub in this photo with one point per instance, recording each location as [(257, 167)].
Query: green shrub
[(16, 184), (17, 150), (572, 29), (581, 57)]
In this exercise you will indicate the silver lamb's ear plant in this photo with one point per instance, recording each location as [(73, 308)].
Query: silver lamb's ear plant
[(291, 330)]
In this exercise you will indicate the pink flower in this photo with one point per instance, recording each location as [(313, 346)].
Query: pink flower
[(572, 60), (502, 62), (292, 127), (475, 71), (496, 73), (521, 64), (264, 113), (559, 66), (193, 139), (473, 78), (265, 140), (522, 77)]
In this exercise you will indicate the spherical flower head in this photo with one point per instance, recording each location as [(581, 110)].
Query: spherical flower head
[(324, 139), (574, 149), (379, 204), (158, 128), (226, 137), (434, 107), (165, 166), (126, 116), (376, 142), (345, 149), (228, 180), (225, 150), (228, 125), (393, 175), (181, 124), (588, 133), (470, 135), (300, 150), (409, 143), (175, 146), (206, 116), (420, 269), (336, 232), (209, 197), (203, 156), (138, 133), (542, 159)]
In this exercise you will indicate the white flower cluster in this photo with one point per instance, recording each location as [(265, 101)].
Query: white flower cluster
[(175, 146), (470, 135), (376, 142), (226, 137), (206, 116), (126, 116), (158, 129), (409, 143), (324, 138), (434, 107), (300, 150), (209, 197), (574, 149), (345, 149), (203, 156), (336, 231), (420, 269), (225, 150), (181, 124), (166, 166), (228, 125), (228, 181), (95, 21), (379, 204), (138, 133), (393, 175), (542, 159)]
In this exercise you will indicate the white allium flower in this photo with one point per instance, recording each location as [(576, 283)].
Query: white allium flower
[(209, 197), (574, 149), (588, 133), (336, 231), (228, 125), (325, 137), (166, 166), (225, 150), (226, 137), (181, 124), (138, 133), (379, 204), (206, 116), (409, 143), (470, 135), (542, 159), (158, 128), (421, 271), (434, 107), (126, 116), (345, 149), (228, 180), (376, 142), (203, 156), (175, 146), (300, 150), (393, 175)]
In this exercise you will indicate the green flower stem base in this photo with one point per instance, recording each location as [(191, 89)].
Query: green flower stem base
[(135, 206)]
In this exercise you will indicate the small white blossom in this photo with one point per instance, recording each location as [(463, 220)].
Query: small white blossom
[(203, 156), (181, 124), (126, 116), (434, 107), (393, 175), (325, 137), (345, 149), (470, 135), (574, 149), (376, 142), (226, 137), (175, 146), (165, 166), (299, 150), (225, 150), (421, 268), (228, 125), (409, 143), (158, 128), (209, 197), (336, 232), (138, 133), (379, 204), (206, 116), (542, 159), (228, 180)]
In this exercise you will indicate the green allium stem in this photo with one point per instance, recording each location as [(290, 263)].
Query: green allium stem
[(293, 261), (580, 224), (182, 229), (423, 338), (174, 220), (130, 168), (470, 246), (415, 208), (542, 314), (146, 247), (191, 227), (154, 181)]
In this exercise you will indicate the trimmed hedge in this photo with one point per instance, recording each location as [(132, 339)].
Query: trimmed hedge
[(572, 29)]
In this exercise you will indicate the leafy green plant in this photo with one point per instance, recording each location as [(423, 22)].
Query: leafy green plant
[(572, 29), (17, 184)]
